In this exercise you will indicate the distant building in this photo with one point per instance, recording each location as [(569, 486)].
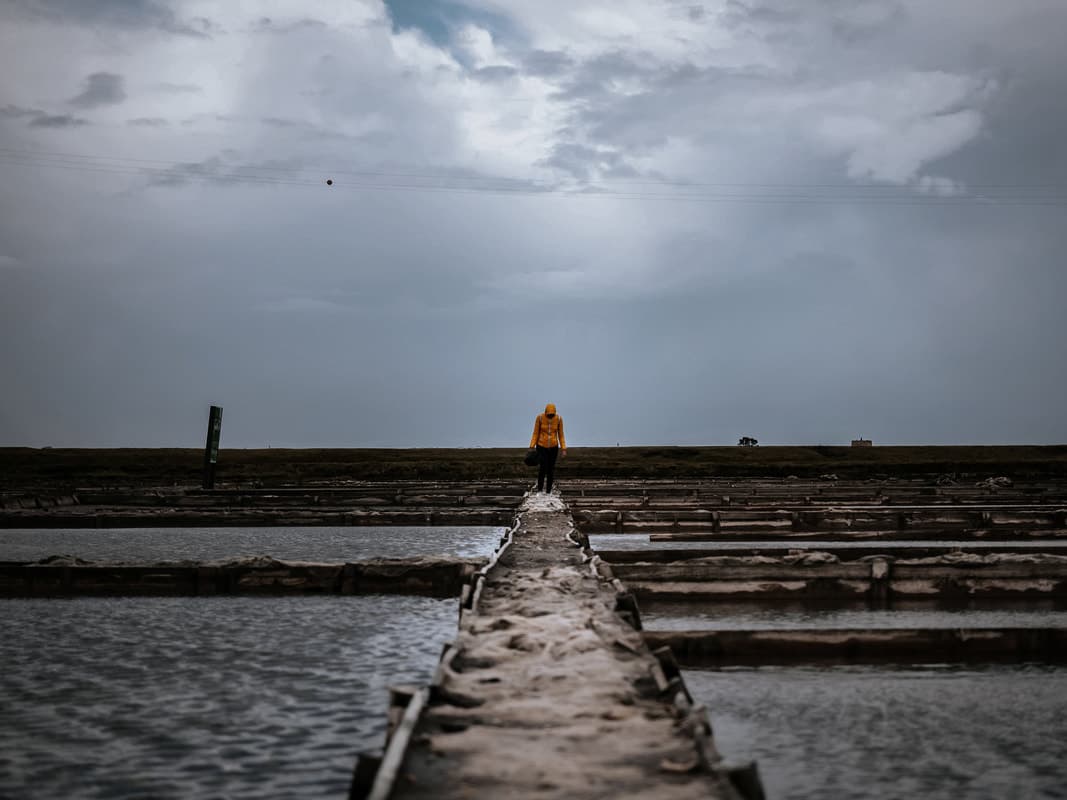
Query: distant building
[(862, 443), (747, 441)]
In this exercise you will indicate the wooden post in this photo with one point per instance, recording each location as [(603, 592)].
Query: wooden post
[(211, 449), (880, 597)]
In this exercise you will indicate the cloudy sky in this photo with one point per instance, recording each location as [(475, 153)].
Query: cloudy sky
[(682, 221)]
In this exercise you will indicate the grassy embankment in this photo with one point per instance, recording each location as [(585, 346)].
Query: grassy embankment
[(22, 468)]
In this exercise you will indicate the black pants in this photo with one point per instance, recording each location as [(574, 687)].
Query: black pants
[(547, 469)]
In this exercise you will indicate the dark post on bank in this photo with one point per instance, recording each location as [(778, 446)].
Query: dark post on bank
[(211, 449)]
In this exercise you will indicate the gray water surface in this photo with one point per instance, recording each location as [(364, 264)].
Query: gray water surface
[(874, 733), (682, 616), (640, 541), (183, 697), (210, 544)]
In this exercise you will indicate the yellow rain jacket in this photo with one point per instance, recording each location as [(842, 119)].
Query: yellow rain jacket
[(547, 430)]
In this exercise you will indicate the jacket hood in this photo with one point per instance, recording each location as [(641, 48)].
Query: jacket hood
[(550, 408)]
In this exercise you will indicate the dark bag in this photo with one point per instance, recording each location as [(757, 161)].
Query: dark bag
[(532, 458)]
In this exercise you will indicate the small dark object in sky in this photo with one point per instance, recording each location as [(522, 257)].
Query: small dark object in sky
[(329, 181)]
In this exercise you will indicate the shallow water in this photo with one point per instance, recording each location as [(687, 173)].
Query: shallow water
[(640, 541), (209, 544), (682, 616), (231, 697), (859, 732)]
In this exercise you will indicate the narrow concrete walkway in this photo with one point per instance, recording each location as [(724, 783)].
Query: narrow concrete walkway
[(551, 694)]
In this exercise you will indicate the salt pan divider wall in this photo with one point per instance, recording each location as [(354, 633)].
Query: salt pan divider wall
[(670, 683)]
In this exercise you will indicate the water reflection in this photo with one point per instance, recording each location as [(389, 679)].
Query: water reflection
[(295, 543), (682, 616), (861, 732), (203, 697), (640, 541)]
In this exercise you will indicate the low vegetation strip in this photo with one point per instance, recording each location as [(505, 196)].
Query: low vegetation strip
[(24, 467)]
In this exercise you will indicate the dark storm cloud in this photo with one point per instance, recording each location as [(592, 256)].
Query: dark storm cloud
[(584, 163), (16, 112), (601, 116), (667, 103), (209, 117), (594, 77), (850, 21), (211, 169), (226, 168), (858, 31), (57, 121), (737, 13), (495, 74), (101, 89), (268, 25), (610, 117), (833, 31), (41, 119), (547, 63), (308, 130), (1028, 126)]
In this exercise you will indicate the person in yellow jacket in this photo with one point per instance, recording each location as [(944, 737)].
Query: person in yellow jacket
[(549, 440)]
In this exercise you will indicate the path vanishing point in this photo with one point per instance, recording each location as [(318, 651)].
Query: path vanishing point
[(549, 691)]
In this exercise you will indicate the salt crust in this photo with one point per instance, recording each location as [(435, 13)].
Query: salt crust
[(542, 502)]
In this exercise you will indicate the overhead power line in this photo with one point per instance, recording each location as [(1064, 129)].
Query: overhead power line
[(168, 171), (455, 176)]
